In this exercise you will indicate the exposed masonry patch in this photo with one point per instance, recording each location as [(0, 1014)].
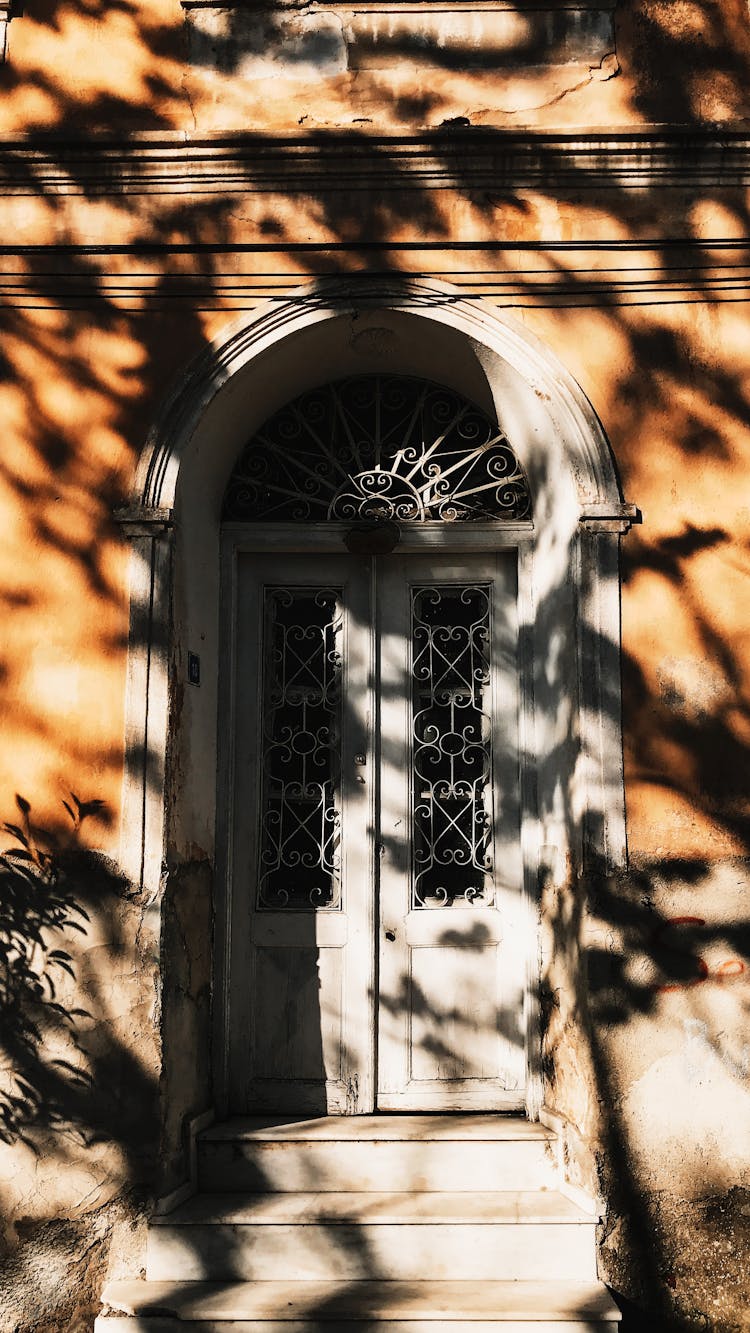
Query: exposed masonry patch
[(264, 45)]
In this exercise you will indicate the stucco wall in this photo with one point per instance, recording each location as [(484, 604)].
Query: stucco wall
[(129, 239)]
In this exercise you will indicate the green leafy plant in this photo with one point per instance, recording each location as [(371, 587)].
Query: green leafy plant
[(40, 915)]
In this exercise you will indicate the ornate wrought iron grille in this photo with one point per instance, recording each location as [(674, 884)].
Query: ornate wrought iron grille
[(378, 447), (452, 745), (300, 857)]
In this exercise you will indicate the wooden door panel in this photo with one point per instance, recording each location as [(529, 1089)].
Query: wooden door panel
[(451, 970), (302, 970), (297, 1018), (454, 1033)]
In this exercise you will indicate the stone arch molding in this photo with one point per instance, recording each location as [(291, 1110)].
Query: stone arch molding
[(581, 438), (568, 579)]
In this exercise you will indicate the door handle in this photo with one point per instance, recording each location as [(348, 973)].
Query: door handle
[(390, 935)]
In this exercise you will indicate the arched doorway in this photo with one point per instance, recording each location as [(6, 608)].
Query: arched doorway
[(565, 640)]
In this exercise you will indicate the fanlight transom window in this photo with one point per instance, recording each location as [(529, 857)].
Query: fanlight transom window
[(378, 447)]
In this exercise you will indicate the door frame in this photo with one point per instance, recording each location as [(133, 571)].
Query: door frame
[(264, 539)]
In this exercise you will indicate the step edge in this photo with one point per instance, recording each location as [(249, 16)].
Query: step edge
[(559, 1322), (126, 1297), (237, 1130), (209, 1208), (580, 1323), (168, 1222), (289, 1141)]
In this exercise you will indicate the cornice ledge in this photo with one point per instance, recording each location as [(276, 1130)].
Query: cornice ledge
[(657, 133), (348, 160), (653, 132)]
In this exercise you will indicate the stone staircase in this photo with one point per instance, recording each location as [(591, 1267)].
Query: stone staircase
[(370, 1224)]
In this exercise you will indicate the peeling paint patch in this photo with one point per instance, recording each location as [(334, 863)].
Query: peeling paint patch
[(320, 43)]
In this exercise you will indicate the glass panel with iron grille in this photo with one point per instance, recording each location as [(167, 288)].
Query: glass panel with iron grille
[(300, 845), (452, 748), (378, 447)]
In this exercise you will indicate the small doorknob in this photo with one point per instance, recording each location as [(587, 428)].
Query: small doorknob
[(360, 759), (390, 935)]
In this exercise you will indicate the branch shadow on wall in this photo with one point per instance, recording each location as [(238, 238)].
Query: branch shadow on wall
[(699, 753), (656, 978)]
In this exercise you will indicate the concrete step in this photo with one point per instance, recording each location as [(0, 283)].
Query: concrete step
[(358, 1307), (377, 1153), (351, 1237)]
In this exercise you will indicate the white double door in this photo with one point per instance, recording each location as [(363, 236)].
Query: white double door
[(376, 948)]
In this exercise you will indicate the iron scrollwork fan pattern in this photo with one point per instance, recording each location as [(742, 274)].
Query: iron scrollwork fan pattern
[(378, 447)]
